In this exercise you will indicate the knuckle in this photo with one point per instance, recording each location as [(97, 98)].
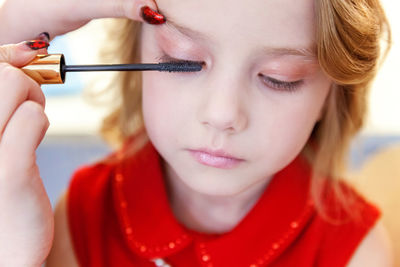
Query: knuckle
[(8, 72), (45, 121), (4, 64), (5, 54), (33, 111), (15, 76)]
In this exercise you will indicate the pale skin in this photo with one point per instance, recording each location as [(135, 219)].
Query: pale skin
[(228, 105)]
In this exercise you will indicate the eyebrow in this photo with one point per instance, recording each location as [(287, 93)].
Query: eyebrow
[(192, 34), (308, 52)]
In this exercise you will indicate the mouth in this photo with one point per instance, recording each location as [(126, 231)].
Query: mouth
[(215, 158)]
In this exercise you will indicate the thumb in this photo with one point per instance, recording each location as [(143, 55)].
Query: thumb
[(17, 55)]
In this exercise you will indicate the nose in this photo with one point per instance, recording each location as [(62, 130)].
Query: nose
[(224, 105)]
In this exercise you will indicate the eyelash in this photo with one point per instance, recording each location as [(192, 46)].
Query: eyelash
[(281, 85), (168, 59), (270, 82)]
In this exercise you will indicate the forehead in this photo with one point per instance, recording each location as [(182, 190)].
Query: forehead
[(272, 23)]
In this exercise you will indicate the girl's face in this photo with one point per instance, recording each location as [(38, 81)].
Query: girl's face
[(255, 102)]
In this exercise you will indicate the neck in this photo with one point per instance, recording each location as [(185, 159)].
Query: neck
[(208, 213)]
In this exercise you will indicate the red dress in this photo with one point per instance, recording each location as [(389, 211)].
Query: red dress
[(119, 215)]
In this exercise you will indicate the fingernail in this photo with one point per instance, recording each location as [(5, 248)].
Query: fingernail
[(44, 36), (37, 44), (151, 16)]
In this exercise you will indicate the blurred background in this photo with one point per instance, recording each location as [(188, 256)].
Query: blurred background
[(72, 138)]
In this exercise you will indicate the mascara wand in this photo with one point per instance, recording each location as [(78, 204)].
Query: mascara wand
[(51, 68)]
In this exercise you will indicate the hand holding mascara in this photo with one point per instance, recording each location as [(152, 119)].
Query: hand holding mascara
[(51, 68)]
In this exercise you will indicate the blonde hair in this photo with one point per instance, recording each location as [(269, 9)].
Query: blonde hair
[(348, 36)]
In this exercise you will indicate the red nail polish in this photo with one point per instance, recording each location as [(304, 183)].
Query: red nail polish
[(151, 16), (37, 44), (44, 36)]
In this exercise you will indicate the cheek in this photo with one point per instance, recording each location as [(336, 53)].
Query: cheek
[(285, 130), (287, 125), (303, 119), (294, 128), (162, 107), (155, 106)]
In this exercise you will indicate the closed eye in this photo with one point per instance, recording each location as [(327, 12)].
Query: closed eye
[(168, 59), (280, 85)]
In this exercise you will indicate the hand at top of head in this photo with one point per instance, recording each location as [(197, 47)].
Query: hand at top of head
[(23, 20)]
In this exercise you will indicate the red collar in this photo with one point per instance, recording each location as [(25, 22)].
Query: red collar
[(152, 231)]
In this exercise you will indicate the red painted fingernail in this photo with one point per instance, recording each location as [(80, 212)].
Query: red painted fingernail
[(37, 44), (44, 36), (151, 16)]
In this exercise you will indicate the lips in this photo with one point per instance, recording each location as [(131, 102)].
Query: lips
[(215, 158)]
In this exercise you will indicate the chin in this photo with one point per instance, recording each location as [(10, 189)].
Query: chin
[(216, 185)]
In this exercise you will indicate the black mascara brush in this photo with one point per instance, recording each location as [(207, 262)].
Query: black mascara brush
[(51, 68)]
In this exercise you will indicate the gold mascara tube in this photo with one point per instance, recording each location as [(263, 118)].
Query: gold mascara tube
[(51, 68), (46, 69)]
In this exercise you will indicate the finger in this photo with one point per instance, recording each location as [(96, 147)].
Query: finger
[(60, 17), (15, 88), (42, 51), (23, 134), (44, 36), (119, 8), (17, 55)]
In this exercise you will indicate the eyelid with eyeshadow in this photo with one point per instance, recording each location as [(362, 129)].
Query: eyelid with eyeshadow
[(168, 59), (275, 84), (280, 85)]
